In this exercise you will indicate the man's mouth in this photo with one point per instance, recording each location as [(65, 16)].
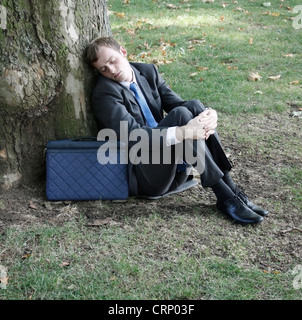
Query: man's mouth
[(116, 76)]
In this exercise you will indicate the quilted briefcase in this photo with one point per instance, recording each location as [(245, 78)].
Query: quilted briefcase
[(73, 171)]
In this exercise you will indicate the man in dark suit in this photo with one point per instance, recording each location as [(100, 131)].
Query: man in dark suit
[(115, 100)]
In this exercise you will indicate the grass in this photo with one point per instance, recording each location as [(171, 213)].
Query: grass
[(182, 248), (230, 42), (68, 262)]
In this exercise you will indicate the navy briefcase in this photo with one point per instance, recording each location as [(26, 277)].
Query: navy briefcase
[(73, 171)]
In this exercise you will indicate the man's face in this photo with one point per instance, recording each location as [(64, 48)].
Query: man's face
[(113, 64)]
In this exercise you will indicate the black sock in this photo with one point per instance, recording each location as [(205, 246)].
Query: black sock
[(228, 180), (222, 191)]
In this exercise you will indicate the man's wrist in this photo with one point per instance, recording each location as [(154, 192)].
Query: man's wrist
[(180, 133), (171, 138)]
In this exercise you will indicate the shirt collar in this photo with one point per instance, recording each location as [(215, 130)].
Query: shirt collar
[(127, 83)]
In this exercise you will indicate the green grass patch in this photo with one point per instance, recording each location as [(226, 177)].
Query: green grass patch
[(230, 41), (75, 262)]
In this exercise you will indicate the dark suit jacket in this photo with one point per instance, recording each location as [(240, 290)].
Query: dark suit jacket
[(112, 103)]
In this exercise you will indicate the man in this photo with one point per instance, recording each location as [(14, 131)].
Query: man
[(118, 96)]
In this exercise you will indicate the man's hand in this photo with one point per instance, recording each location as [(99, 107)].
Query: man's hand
[(201, 127), (209, 120)]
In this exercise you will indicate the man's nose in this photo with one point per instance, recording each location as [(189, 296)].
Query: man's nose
[(111, 69)]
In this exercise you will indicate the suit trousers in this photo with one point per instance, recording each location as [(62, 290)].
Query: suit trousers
[(157, 179)]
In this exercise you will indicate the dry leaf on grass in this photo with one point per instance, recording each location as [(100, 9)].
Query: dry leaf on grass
[(64, 264), (288, 55), (254, 76), (120, 14), (171, 6), (32, 205), (99, 222), (275, 77), (202, 68)]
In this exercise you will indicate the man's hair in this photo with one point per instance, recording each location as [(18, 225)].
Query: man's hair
[(93, 47)]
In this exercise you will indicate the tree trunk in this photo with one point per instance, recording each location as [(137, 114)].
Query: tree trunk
[(45, 82)]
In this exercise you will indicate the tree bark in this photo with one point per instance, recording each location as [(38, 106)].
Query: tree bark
[(45, 82)]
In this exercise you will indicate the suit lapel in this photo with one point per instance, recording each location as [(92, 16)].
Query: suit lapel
[(144, 86)]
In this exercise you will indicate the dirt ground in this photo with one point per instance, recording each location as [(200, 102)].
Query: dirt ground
[(259, 149)]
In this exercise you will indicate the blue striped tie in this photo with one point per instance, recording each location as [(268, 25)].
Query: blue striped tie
[(144, 106)]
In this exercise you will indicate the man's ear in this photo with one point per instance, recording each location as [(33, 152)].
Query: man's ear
[(123, 51)]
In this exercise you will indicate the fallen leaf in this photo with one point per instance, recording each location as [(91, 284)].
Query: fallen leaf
[(202, 68), (275, 14), (161, 62), (167, 61), (64, 264), (120, 14), (275, 77), (99, 222), (131, 32), (299, 115), (288, 55), (197, 41), (171, 6), (47, 205), (26, 256), (193, 74), (71, 287), (266, 4), (132, 57), (251, 41), (254, 76), (32, 205), (294, 82)]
